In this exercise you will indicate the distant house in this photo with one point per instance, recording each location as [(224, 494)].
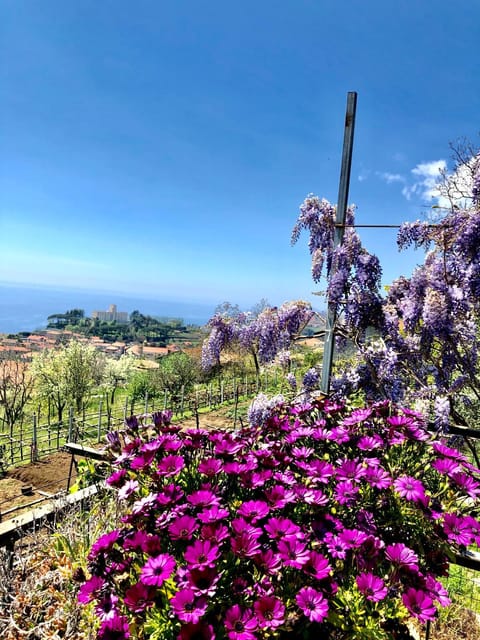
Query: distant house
[(112, 315)]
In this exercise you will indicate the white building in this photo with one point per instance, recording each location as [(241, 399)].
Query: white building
[(112, 315)]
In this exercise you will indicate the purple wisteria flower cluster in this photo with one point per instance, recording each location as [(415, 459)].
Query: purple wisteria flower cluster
[(263, 336), (323, 521), (428, 343), (353, 273)]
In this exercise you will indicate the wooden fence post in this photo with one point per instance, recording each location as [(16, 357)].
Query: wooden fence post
[(146, 402), (99, 430), (182, 399), (70, 424), (33, 453)]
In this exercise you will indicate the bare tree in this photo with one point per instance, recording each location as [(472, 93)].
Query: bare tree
[(16, 386)]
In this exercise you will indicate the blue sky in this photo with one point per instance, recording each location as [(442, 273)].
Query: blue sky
[(162, 148)]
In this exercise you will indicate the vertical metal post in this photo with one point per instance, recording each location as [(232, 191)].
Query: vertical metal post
[(338, 235)]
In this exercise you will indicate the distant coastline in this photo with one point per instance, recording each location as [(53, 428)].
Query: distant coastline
[(27, 307)]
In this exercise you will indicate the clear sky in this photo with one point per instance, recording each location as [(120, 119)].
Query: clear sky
[(163, 147)]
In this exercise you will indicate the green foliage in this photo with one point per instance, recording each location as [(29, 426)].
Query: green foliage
[(67, 376), (175, 371)]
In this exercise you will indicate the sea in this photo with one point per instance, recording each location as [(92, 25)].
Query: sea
[(27, 307)]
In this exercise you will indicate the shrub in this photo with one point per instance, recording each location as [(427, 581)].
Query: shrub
[(324, 521)]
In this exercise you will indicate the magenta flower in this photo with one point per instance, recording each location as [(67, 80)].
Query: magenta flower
[(446, 466), (214, 533), (203, 498), (117, 478), (336, 546), (210, 467), (202, 581), (419, 604), (409, 488), (278, 528), (438, 591), (313, 604), (139, 597), (201, 555), (457, 529), (353, 538), (377, 477), (240, 623), (90, 589), (127, 489), (372, 587), (245, 545), (369, 443), (350, 470), (182, 528), (318, 566), (270, 612), (346, 492), (104, 544), (198, 631), (278, 497), (293, 552), (467, 484), (143, 460), (187, 606), (170, 466), (116, 628), (402, 556), (157, 570), (215, 513), (253, 510), (269, 562), (105, 607)]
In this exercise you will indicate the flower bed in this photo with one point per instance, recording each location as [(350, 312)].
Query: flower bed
[(324, 521)]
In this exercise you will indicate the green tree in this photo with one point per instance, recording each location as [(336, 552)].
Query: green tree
[(175, 371), (66, 376)]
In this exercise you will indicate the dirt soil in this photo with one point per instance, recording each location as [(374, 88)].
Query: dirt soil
[(48, 475)]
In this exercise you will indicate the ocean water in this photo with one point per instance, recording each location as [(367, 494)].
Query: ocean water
[(26, 308)]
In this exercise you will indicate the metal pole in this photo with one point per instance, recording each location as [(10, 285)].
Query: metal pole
[(338, 233)]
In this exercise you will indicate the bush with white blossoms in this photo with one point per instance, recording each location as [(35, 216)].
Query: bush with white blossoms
[(320, 521)]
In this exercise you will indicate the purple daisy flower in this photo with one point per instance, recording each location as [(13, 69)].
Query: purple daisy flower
[(253, 510), (90, 589), (336, 546), (457, 529), (187, 606), (409, 488), (170, 466), (182, 528), (312, 603), (293, 552), (240, 623), (419, 604), (210, 467), (139, 597), (198, 631), (116, 628), (372, 587), (402, 556), (346, 492), (201, 554), (203, 498), (270, 612), (157, 570)]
